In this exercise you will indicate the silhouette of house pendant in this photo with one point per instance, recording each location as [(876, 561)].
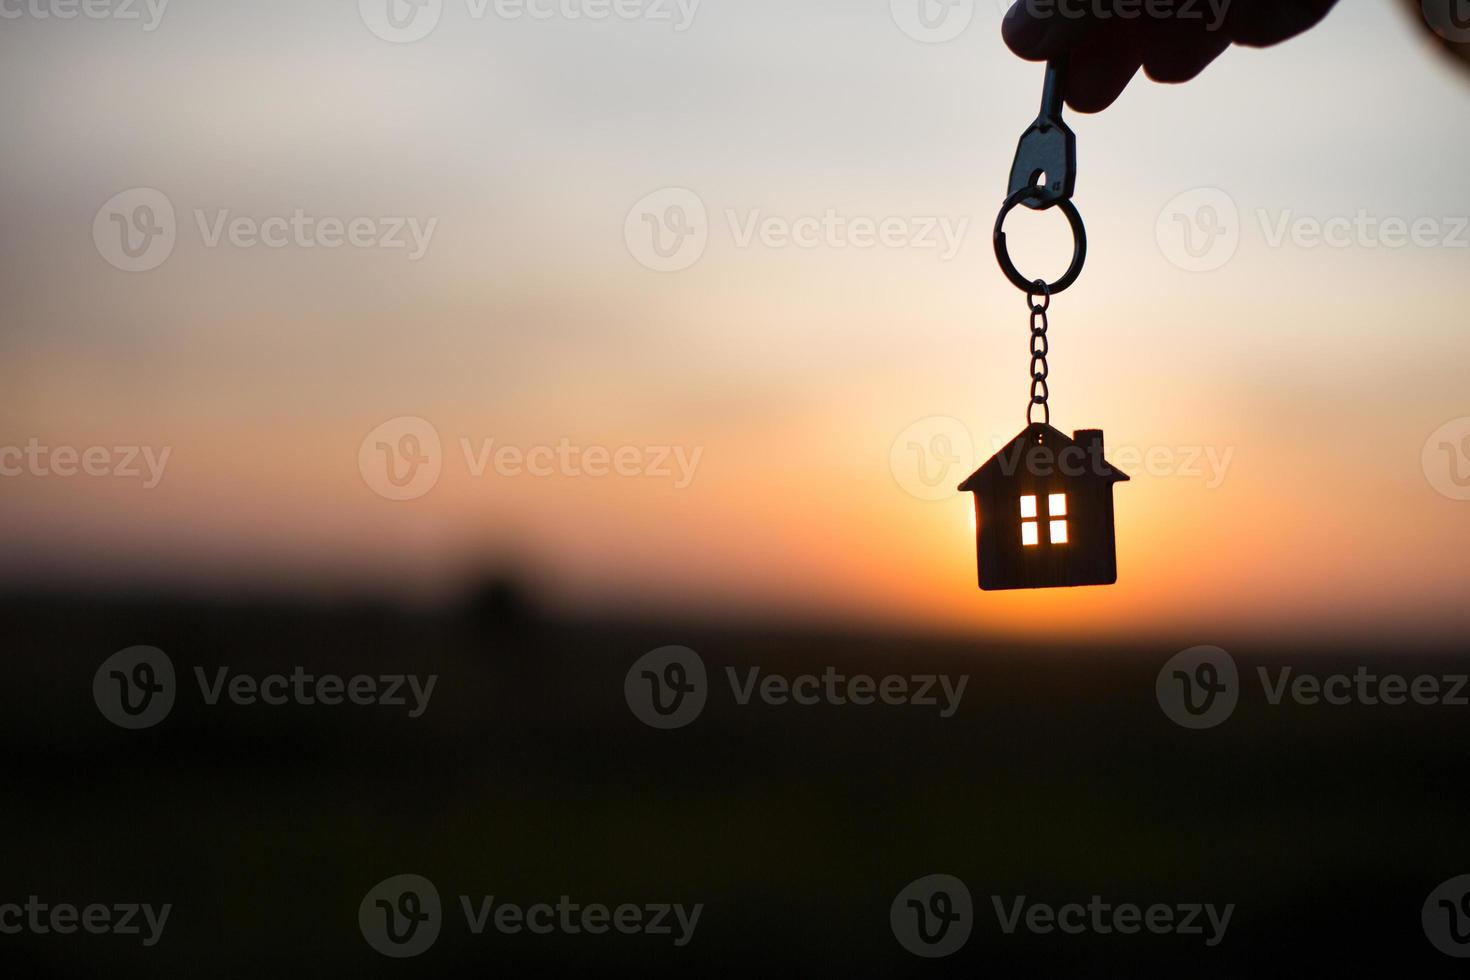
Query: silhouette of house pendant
[(1044, 512)]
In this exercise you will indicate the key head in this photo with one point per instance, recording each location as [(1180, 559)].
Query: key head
[(1048, 149)]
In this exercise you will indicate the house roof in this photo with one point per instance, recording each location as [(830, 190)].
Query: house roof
[(1039, 451)]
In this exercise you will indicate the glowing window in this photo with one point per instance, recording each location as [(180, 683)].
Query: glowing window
[(1056, 513), (1056, 507), (1030, 533)]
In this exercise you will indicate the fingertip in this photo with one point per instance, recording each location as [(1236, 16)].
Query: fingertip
[(1173, 64), (1023, 33), (1038, 37), (1097, 95), (1101, 68)]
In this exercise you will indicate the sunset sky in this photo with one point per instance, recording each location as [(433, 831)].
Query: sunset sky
[(1277, 408)]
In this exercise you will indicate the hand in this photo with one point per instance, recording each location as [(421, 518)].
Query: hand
[(1106, 50)]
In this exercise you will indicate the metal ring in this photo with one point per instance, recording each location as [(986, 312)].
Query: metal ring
[(1079, 245), (1039, 288)]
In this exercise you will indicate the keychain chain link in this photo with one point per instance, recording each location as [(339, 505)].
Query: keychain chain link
[(1040, 347)]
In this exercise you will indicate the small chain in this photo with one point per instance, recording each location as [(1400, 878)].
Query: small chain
[(1040, 347)]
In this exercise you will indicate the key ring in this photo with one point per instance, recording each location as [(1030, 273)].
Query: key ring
[(1044, 176), (1079, 243)]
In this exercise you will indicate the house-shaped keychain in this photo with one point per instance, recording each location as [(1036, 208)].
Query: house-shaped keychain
[(1044, 512)]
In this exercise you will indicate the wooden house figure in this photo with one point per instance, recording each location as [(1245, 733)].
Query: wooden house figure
[(1044, 512)]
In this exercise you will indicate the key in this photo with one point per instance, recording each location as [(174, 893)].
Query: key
[(1046, 158)]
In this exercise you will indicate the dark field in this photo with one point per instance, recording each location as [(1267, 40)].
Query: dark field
[(528, 778)]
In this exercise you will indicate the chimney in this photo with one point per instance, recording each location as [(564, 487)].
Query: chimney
[(1091, 441)]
